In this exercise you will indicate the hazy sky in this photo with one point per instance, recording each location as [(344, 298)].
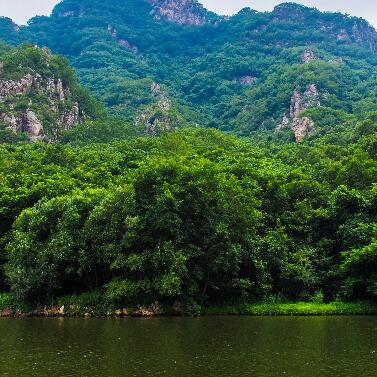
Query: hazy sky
[(21, 10)]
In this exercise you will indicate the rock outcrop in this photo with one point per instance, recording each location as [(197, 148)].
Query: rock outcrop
[(154, 119), (183, 12), (247, 80), (30, 101), (363, 32), (301, 101), (153, 310), (121, 42), (308, 56), (32, 125), (16, 87)]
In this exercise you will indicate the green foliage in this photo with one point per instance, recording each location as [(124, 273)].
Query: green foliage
[(298, 309), (92, 303), (98, 131), (194, 215), (6, 301)]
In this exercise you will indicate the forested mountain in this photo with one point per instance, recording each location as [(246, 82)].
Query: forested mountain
[(147, 202), (292, 68)]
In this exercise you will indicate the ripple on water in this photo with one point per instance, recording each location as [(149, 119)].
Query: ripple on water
[(182, 347)]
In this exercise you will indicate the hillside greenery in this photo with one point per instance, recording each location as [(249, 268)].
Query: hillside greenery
[(119, 50), (220, 211)]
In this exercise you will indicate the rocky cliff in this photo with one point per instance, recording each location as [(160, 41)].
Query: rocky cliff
[(160, 116), (301, 100), (183, 12), (36, 100)]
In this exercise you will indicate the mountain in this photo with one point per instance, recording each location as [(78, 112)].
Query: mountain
[(293, 70), (40, 96)]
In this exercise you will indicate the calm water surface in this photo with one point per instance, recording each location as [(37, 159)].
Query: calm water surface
[(182, 347)]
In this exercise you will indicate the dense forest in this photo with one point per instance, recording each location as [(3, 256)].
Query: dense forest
[(131, 195)]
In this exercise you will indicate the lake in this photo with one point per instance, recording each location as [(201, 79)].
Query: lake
[(195, 347)]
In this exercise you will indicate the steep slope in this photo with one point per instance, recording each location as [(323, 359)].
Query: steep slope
[(250, 72), (40, 95)]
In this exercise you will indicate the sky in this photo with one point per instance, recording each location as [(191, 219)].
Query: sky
[(22, 10)]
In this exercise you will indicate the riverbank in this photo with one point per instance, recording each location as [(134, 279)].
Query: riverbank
[(75, 307), (296, 309)]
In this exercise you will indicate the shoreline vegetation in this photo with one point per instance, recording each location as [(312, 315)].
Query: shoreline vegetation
[(72, 307)]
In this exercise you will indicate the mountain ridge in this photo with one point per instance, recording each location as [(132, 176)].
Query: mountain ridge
[(215, 69)]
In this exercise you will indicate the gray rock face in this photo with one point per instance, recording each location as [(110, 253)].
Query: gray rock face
[(13, 88), (154, 118), (308, 56), (302, 127), (69, 118), (183, 12), (27, 120), (363, 32), (32, 125), (301, 101)]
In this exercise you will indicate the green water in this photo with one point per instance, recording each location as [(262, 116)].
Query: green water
[(180, 347)]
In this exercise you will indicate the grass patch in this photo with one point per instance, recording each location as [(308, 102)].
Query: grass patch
[(296, 309), (6, 301)]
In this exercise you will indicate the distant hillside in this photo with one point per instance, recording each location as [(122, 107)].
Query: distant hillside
[(294, 70)]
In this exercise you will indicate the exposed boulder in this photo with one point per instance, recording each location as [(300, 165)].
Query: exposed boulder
[(6, 313), (54, 311), (156, 118), (127, 45), (336, 61), (27, 121), (69, 13), (343, 35), (32, 125), (142, 312)]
